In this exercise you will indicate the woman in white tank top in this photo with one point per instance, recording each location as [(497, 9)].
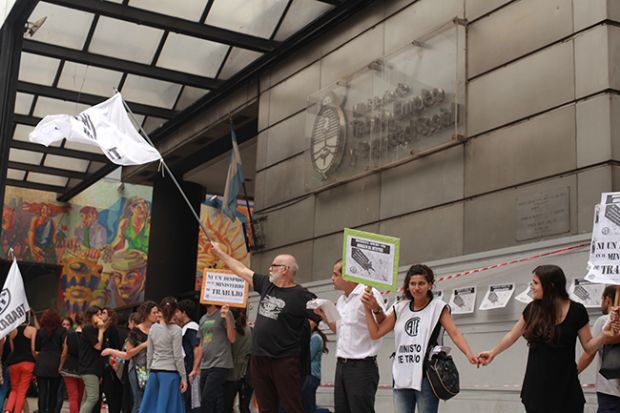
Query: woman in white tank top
[(413, 320)]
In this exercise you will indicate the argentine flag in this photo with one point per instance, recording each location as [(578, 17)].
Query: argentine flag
[(234, 179)]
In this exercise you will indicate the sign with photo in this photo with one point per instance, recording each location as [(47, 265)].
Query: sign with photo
[(370, 259), (223, 287), (463, 300), (525, 296), (438, 294), (497, 296), (586, 292)]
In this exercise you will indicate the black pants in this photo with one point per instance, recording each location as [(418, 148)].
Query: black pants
[(48, 393), (356, 385), (277, 381), (112, 387), (243, 389), (212, 382)]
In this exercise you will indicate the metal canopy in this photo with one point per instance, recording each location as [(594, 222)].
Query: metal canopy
[(169, 59)]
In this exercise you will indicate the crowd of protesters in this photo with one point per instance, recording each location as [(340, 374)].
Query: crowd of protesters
[(162, 361)]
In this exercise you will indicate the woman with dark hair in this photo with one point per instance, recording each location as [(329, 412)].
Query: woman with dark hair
[(164, 359), (90, 362), (69, 366), (550, 324), (21, 365), (111, 385), (318, 346), (66, 323), (136, 348), (416, 319), (48, 347)]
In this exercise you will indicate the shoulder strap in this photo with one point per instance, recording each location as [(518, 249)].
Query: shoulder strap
[(433, 339)]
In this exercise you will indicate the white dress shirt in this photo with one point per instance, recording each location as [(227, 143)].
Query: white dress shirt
[(354, 341)]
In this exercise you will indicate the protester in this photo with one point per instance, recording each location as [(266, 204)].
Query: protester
[(551, 324), (318, 346), (136, 352), (607, 390), (414, 319), (21, 366), (69, 366), (191, 348), (5, 381), (237, 382), (90, 361), (214, 357), (48, 347), (111, 384), (66, 323), (357, 374), (167, 379), (134, 319), (276, 342)]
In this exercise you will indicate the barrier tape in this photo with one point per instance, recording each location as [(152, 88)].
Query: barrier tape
[(472, 387)]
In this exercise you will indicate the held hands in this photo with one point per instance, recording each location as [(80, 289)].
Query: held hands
[(485, 358)]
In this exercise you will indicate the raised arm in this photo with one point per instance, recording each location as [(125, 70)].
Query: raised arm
[(376, 329), (457, 337), (234, 265), (231, 334), (508, 340)]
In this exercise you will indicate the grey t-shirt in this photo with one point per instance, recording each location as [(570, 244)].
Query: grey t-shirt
[(216, 351)]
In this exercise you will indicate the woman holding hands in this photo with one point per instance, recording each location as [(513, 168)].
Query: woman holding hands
[(413, 320), (550, 324)]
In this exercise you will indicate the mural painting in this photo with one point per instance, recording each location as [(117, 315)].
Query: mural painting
[(100, 239), (230, 234)]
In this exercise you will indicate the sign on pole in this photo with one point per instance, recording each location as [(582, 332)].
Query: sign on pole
[(223, 287), (370, 259)]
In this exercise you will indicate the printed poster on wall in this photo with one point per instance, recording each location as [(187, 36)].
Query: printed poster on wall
[(525, 296), (223, 287), (497, 296), (604, 260), (586, 292), (370, 259), (463, 300), (438, 294)]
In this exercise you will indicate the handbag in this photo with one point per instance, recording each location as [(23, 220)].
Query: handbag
[(610, 361), (143, 375), (440, 370)]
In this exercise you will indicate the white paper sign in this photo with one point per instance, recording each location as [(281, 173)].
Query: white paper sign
[(438, 294), (222, 287), (587, 293), (497, 296), (604, 260), (525, 296), (370, 259), (463, 300)]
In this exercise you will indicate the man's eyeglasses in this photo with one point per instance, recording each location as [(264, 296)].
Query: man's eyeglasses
[(277, 265)]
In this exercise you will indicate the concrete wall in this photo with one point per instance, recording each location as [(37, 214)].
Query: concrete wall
[(542, 114)]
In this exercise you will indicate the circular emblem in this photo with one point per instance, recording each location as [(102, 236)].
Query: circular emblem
[(328, 137), (5, 300), (411, 326)]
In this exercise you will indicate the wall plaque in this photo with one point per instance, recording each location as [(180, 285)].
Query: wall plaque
[(543, 213)]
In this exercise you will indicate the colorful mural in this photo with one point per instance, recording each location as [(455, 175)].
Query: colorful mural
[(229, 234), (100, 239)]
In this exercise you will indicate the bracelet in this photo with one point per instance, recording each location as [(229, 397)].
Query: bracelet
[(376, 311)]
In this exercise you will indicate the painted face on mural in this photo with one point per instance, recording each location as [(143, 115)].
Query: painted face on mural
[(140, 209), (8, 219), (128, 276), (79, 279)]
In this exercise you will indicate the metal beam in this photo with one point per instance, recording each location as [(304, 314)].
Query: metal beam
[(34, 185), (54, 150), (88, 99), (140, 69), (65, 196), (165, 22), (332, 2), (26, 119), (47, 170)]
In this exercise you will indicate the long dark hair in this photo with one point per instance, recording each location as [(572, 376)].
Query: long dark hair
[(50, 322), (168, 306), (418, 269), (323, 337), (241, 320), (540, 325)]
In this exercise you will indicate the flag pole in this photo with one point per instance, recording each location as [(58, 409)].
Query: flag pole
[(174, 179)]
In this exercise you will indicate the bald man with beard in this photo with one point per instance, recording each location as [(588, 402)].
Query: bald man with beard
[(278, 340)]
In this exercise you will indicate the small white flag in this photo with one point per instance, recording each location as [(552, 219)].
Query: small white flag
[(105, 125), (13, 302)]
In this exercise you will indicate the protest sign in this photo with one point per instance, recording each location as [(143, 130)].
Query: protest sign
[(13, 301), (604, 260), (370, 259), (526, 296), (497, 296), (587, 293), (463, 300), (438, 294), (223, 287)]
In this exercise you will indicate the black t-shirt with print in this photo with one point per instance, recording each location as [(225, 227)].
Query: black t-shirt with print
[(90, 360), (280, 319)]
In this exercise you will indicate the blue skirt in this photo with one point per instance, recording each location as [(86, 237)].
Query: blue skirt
[(162, 393)]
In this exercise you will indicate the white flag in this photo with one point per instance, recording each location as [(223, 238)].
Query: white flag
[(105, 125), (13, 302)]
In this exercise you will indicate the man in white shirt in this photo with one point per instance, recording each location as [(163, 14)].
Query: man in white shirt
[(357, 374), (607, 391)]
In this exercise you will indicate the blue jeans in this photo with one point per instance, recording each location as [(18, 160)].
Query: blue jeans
[(136, 391), (405, 400), (607, 403), (308, 392)]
